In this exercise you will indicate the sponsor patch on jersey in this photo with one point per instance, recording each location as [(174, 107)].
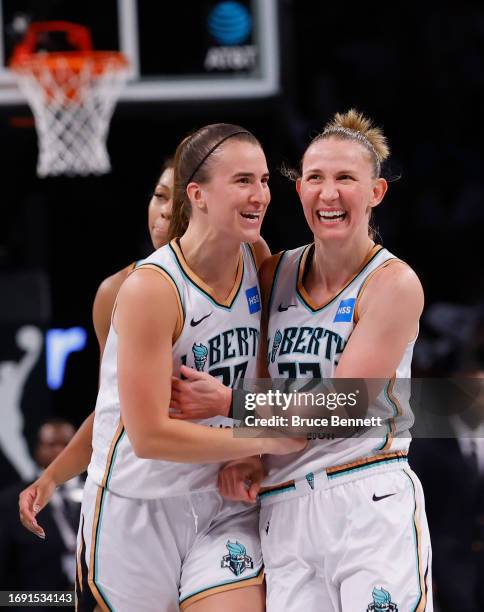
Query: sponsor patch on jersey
[(345, 310), (253, 299)]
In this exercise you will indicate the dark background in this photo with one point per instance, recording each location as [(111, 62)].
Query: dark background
[(415, 69)]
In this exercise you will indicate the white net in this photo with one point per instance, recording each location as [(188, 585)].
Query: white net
[(72, 104)]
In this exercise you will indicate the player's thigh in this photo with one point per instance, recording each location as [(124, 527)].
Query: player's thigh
[(293, 562), (250, 598), (388, 555), (225, 557), (125, 561)]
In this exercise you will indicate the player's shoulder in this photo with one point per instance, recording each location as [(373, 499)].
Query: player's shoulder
[(150, 290), (395, 275), (147, 281), (108, 290), (104, 302), (393, 285)]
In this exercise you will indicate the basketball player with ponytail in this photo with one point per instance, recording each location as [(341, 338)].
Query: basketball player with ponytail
[(75, 457), (155, 534), (341, 307)]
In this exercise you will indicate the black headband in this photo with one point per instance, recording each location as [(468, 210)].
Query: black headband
[(204, 158)]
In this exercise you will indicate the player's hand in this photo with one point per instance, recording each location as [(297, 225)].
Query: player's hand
[(240, 480), (32, 500), (199, 396), (284, 446)]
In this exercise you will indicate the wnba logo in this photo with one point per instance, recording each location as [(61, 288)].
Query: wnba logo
[(229, 23)]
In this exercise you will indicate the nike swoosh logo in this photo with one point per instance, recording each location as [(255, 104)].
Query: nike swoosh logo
[(284, 308), (378, 498), (194, 323)]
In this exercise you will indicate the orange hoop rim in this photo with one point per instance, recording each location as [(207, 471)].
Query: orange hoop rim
[(75, 60)]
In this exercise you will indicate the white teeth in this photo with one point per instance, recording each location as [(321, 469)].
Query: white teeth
[(331, 214), (250, 215)]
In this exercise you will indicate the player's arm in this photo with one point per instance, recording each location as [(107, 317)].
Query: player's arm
[(146, 318), (72, 461), (388, 314), (75, 457), (103, 305)]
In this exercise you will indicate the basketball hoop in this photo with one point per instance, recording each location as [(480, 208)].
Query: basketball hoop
[(72, 95)]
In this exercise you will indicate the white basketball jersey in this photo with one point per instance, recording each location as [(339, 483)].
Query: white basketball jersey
[(306, 340), (220, 338)]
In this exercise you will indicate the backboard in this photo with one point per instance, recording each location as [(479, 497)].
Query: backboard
[(189, 50)]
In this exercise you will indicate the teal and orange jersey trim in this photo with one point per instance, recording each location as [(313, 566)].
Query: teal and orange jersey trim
[(200, 285), (304, 296)]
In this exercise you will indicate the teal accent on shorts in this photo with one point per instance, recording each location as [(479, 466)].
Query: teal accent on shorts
[(305, 481), (219, 584), (277, 491), (415, 541), (96, 549)]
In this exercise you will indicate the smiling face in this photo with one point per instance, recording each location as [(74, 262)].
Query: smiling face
[(159, 209), (235, 198), (337, 189)]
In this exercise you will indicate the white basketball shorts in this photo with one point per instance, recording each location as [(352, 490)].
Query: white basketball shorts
[(162, 555), (353, 538)]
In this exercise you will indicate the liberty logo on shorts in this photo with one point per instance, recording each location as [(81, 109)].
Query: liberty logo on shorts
[(382, 602), (276, 344), (253, 299), (345, 311), (200, 352), (310, 479), (237, 560)]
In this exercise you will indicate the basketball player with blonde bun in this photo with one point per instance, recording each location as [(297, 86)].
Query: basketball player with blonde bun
[(155, 533), (341, 307), (75, 458)]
